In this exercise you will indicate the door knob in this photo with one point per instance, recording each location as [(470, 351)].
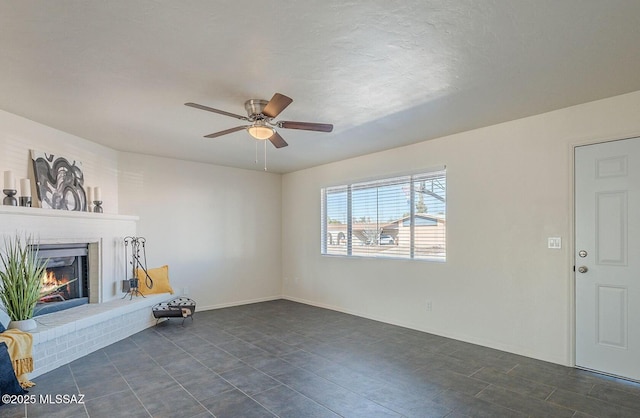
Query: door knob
[(583, 269)]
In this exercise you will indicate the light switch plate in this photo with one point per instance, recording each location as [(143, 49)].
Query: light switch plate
[(555, 243)]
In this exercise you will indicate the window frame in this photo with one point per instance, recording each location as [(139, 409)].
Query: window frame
[(439, 173)]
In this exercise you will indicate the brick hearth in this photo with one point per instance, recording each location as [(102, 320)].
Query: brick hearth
[(64, 336)]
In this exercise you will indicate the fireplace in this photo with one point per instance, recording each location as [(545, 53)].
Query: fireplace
[(66, 279)]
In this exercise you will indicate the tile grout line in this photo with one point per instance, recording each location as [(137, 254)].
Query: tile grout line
[(75, 382), (174, 379)]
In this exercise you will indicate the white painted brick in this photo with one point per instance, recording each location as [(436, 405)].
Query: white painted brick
[(68, 336)]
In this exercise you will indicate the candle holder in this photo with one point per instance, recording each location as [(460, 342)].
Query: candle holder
[(25, 201), (9, 199), (98, 206)]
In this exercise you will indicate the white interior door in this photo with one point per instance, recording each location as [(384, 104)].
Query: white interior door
[(607, 259)]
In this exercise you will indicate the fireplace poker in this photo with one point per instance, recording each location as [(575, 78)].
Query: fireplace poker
[(131, 286)]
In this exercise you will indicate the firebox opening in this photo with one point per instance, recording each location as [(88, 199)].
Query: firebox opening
[(65, 281)]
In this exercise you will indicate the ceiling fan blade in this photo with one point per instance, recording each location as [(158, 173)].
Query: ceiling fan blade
[(227, 131), (277, 140), (276, 105), (306, 126), (221, 112)]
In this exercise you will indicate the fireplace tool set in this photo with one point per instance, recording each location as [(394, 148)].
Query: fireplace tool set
[(138, 263)]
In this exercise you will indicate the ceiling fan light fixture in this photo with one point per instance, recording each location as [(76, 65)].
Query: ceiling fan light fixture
[(259, 131)]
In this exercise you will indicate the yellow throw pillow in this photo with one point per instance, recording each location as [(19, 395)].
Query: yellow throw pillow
[(160, 277)]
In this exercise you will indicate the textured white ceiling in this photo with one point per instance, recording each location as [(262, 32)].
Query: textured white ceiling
[(385, 73)]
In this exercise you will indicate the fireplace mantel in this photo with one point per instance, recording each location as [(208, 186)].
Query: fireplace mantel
[(19, 210)]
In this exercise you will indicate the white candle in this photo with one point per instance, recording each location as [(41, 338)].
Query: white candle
[(97, 194), (25, 188), (89, 195), (9, 180)]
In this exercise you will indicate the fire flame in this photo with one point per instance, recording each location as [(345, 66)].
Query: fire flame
[(50, 283)]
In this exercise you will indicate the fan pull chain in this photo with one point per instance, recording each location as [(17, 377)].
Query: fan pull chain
[(256, 151), (265, 154)]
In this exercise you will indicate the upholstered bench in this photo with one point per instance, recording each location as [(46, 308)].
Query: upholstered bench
[(181, 307)]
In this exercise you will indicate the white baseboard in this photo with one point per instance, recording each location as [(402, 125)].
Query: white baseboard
[(237, 303), (522, 351)]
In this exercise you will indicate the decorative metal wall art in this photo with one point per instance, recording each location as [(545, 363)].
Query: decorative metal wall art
[(59, 182)]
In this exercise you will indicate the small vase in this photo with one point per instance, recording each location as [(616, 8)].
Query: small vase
[(24, 325)]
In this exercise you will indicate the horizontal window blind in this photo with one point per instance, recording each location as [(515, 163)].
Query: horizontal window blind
[(399, 217)]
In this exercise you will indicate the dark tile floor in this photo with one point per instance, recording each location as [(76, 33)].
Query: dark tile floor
[(287, 359)]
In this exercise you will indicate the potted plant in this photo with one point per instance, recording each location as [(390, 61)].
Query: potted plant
[(20, 281)]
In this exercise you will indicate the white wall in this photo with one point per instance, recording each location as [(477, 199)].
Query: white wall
[(509, 188), (218, 228), (19, 135)]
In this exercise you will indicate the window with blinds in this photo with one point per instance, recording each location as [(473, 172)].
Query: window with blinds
[(400, 217)]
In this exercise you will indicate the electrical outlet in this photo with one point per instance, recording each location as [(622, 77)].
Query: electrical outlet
[(185, 291), (429, 306)]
